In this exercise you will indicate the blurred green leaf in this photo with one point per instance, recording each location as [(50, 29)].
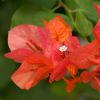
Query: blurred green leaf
[(71, 4), (84, 26), (29, 15), (85, 6), (39, 92), (86, 92), (41, 4), (88, 8), (6, 11)]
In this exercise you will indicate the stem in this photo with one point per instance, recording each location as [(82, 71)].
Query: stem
[(76, 10), (57, 7), (69, 12)]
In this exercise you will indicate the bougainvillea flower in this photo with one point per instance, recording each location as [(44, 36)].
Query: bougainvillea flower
[(53, 51), (28, 38), (33, 53), (41, 51), (61, 33)]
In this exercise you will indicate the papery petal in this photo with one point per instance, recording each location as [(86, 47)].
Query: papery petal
[(85, 77), (38, 58), (57, 55), (45, 39), (80, 57), (72, 43), (95, 61), (31, 72), (71, 83), (20, 36), (24, 76), (97, 30), (95, 83), (70, 86), (19, 55), (59, 71), (59, 29)]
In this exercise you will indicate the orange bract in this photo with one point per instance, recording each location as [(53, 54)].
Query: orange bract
[(59, 29)]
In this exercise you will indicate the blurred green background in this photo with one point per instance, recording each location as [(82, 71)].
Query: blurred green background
[(81, 16)]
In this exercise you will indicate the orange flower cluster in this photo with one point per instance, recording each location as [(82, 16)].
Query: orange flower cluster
[(53, 52)]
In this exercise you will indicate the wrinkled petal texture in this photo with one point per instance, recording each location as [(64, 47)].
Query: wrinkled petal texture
[(29, 37), (57, 55), (72, 43), (95, 84), (32, 70), (59, 71), (60, 31), (85, 77), (45, 39), (96, 60), (19, 36), (80, 57)]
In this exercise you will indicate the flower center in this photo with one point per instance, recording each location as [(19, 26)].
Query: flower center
[(63, 48)]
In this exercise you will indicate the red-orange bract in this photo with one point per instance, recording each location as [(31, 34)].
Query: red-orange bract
[(40, 51), (53, 51), (60, 31)]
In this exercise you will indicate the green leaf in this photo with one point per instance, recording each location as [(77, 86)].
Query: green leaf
[(71, 4), (83, 25), (41, 4), (86, 6), (89, 10), (29, 15)]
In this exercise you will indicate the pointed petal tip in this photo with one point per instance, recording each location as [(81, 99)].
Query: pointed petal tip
[(97, 7)]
